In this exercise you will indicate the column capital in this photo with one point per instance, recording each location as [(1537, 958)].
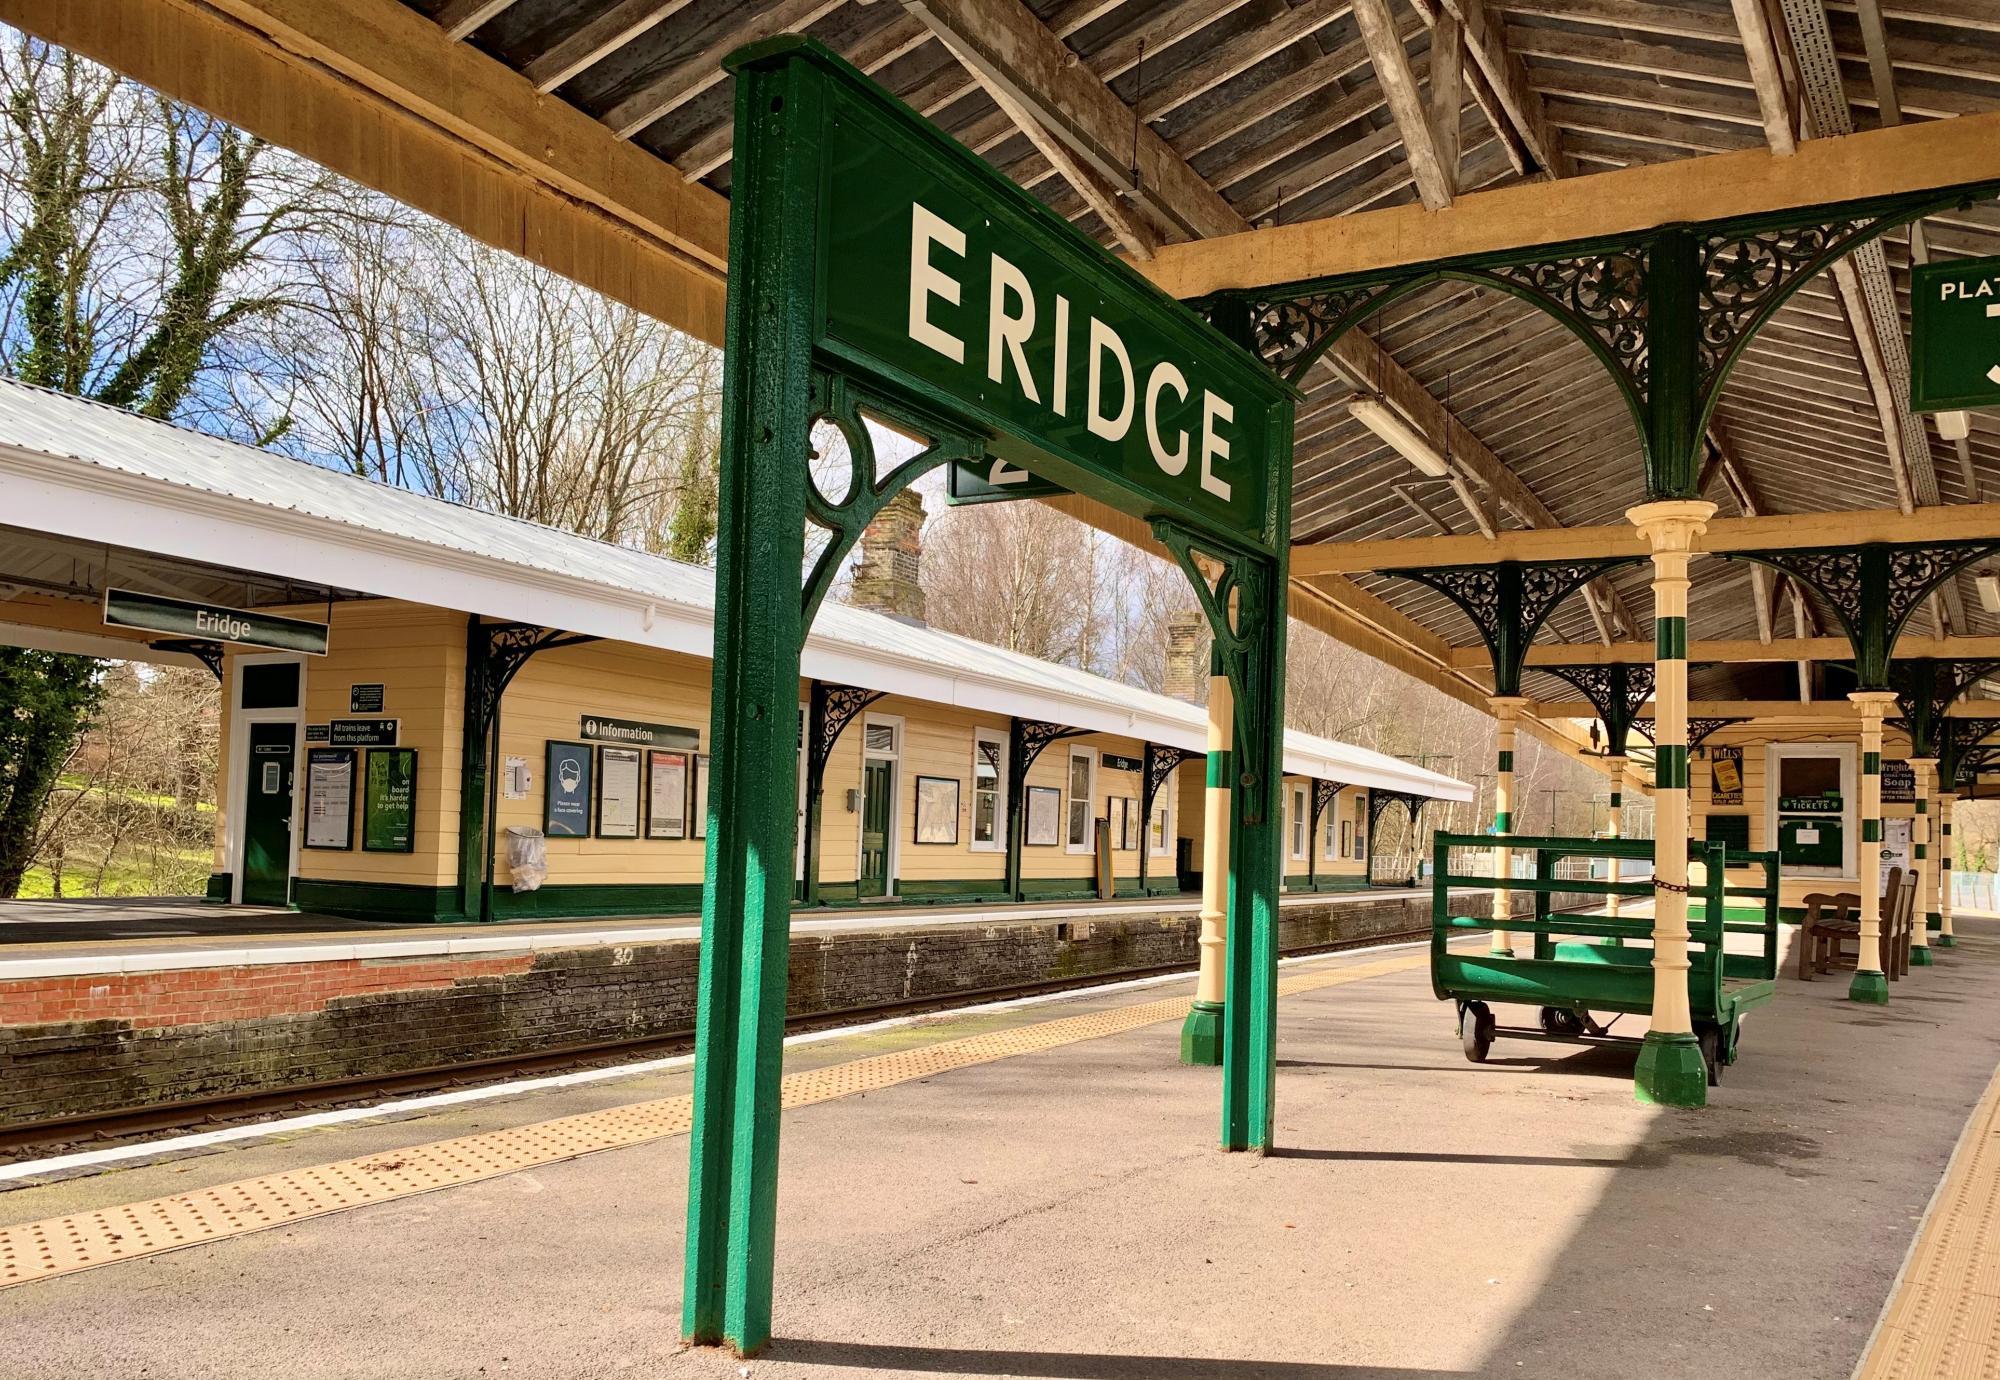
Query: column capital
[(1880, 701), (1508, 704), (1671, 525), (1926, 762)]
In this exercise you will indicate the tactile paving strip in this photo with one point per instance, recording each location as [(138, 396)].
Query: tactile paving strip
[(63, 1245), (1943, 1321)]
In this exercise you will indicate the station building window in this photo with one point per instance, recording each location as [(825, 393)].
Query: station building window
[(1809, 807), (989, 788), (270, 684), (1082, 792), (1301, 822)]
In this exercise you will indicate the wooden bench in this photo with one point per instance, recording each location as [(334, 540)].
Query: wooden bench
[(1583, 965)]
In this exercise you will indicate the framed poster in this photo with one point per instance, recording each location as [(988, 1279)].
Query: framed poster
[(566, 790), (1725, 776), (389, 801), (1128, 823), (329, 798), (937, 809), (667, 795), (1044, 815), (697, 806), (618, 793)]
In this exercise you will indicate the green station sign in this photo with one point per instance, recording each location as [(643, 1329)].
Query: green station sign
[(1955, 335), (940, 278), (990, 479), (125, 608)]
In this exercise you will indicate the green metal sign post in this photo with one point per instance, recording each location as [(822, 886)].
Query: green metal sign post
[(1955, 335), (880, 273)]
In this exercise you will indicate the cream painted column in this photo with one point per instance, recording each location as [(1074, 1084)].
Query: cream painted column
[(1870, 983), (1201, 1035), (1615, 828), (1946, 799), (1670, 1071), (1506, 713), (1920, 838)]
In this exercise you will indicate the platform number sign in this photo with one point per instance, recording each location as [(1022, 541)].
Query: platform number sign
[(993, 480), (1955, 335)]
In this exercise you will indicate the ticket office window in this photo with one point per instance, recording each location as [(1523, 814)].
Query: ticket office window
[(1812, 808)]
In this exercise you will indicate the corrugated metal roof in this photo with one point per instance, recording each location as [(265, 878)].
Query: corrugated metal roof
[(851, 645)]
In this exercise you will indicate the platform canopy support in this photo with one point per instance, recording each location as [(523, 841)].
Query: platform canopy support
[(1201, 1033), (967, 320)]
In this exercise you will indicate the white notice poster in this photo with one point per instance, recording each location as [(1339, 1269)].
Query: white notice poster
[(618, 793), (666, 815), (517, 780), (330, 798)]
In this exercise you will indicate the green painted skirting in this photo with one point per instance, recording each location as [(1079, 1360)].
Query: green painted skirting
[(1945, 941), (1201, 1035), (219, 884), (591, 900), (1920, 956), (414, 905)]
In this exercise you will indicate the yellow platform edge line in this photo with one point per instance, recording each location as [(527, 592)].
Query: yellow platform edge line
[(1939, 1322), (57, 1246)]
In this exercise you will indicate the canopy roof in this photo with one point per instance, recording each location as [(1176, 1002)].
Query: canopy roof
[(96, 487), (1288, 112)]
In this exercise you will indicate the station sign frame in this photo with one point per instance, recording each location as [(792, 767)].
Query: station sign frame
[(1955, 335), (157, 613)]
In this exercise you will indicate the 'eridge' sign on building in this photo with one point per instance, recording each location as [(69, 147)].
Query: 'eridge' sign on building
[(124, 608), (1062, 350)]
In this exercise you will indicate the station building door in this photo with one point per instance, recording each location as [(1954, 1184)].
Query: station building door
[(267, 815)]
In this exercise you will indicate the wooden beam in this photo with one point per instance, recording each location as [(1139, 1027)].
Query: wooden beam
[(459, 18), (596, 39), (1486, 40), (1760, 46), (1446, 96), (376, 92), (696, 72), (1951, 522), (1406, 102), (1762, 709), (1732, 650), (1934, 155)]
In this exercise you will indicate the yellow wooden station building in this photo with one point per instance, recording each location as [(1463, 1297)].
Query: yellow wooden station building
[(393, 666)]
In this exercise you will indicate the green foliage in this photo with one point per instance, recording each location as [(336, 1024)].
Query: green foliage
[(46, 702)]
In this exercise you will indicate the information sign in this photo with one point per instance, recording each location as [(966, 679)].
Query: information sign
[(364, 699), (362, 733), (1955, 335), (602, 728), (389, 801)]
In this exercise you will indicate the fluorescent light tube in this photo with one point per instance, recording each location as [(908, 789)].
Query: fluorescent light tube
[(1403, 438), (1989, 591)]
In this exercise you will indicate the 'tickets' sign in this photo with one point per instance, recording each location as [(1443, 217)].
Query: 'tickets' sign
[(1955, 335), (124, 608), (941, 275)]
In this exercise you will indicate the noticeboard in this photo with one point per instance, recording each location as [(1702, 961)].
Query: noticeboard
[(389, 801), (618, 793), (329, 798), (566, 790)]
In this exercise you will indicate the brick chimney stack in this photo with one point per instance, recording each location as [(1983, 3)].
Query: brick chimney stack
[(1187, 657), (886, 575)]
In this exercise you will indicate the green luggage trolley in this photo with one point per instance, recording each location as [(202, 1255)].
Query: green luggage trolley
[(1585, 965)]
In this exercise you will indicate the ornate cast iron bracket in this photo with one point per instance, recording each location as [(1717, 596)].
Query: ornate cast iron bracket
[(1615, 691), (1873, 589), (830, 709), (1380, 800), (1161, 763), (207, 653), (508, 648), (1959, 749), (1237, 605), (1700, 728), (848, 405), (1509, 601), (1926, 689), (1026, 742)]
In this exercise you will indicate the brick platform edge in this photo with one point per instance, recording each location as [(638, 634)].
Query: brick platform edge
[(93, 1044)]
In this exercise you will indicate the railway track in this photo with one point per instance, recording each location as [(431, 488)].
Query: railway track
[(120, 1126)]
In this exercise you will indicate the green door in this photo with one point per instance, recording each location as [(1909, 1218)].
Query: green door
[(877, 798), (267, 816)]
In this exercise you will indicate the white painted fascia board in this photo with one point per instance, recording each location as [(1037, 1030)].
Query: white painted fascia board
[(42, 639), (91, 503)]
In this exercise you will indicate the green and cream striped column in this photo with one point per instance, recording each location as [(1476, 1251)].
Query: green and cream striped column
[(1201, 1034), (1670, 1070), (1920, 839), (1615, 828), (1506, 715), (1870, 983), (1946, 799)]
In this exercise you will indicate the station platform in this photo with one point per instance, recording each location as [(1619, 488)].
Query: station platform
[(1031, 1190)]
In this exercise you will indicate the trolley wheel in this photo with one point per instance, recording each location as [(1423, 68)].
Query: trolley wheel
[(1475, 1029), (1710, 1040), (1557, 1020)]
